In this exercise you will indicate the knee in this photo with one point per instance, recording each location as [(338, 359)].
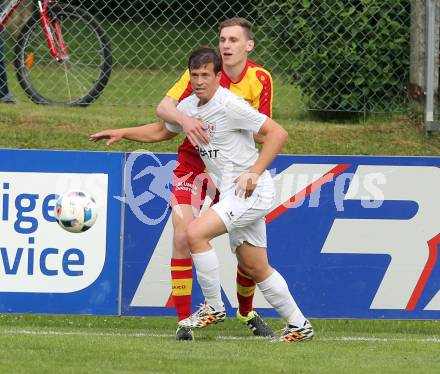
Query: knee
[(181, 243), (192, 236), (196, 240), (249, 269), (258, 272)]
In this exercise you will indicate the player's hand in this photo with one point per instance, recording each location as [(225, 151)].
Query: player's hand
[(245, 184), (113, 136), (195, 131)]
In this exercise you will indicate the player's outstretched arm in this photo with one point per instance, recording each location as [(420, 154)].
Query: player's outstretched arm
[(150, 133), (194, 129)]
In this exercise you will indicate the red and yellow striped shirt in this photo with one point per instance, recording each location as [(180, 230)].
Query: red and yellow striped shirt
[(254, 85)]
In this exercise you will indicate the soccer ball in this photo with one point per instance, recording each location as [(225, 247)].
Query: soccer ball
[(76, 211)]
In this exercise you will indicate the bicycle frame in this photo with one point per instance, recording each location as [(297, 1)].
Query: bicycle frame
[(8, 11), (55, 41)]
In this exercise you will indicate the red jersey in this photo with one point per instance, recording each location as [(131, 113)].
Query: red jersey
[(254, 85)]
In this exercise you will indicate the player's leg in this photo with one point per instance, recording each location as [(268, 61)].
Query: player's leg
[(251, 319), (247, 211), (200, 231), (5, 96), (275, 290), (185, 195), (181, 262), (245, 313), (245, 293)]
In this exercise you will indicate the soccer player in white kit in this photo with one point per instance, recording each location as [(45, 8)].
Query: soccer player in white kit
[(246, 195)]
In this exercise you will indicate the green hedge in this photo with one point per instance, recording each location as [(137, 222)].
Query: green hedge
[(194, 12), (350, 55)]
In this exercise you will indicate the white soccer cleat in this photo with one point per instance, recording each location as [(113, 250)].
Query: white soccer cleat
[(204, 316), (293, 334)]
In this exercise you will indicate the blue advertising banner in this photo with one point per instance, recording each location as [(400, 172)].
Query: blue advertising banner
[(147, 221), (43, 268), (355, 237)]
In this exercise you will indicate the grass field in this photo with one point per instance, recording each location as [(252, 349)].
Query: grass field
[(43, 127), (142, 87), (83, 344)]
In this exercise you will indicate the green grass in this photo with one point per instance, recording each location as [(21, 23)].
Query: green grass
[(44, 127), (131, 88), (81, 344)]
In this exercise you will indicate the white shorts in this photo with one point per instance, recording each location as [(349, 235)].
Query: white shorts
[(245, 218)]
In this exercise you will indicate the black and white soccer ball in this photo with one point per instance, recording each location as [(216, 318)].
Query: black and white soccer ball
[(76, 211)]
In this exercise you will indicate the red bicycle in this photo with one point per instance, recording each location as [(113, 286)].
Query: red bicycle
[(62, 55)]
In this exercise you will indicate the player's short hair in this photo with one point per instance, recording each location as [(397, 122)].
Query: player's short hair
[(203, 56), (238, 21)]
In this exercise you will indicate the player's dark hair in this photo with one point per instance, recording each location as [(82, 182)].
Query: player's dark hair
[(238, 21), (203, 56)]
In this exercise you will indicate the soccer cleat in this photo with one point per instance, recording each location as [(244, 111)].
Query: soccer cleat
[(293, 334), (184, 333), (204, 316), (256, 324), (8, 99)]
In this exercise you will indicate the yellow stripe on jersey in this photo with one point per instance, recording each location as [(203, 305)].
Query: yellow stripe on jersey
[(178, 90)]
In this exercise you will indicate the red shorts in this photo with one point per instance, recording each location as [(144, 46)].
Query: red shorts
[(191, 188)]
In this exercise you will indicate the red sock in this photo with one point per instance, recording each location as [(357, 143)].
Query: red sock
[(245, 292), (181, 281)]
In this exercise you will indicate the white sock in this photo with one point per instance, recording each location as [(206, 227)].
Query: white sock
[(275, 290), (208, 276)]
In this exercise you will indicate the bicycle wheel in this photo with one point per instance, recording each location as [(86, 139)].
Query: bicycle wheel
[(80, 79)]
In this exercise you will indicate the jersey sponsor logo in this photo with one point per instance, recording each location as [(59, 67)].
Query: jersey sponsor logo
[(209, 153), (186, 186)]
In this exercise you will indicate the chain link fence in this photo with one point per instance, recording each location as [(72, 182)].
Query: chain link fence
[(348, 56)]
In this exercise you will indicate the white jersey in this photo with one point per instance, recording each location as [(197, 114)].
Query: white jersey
[(230, 122)]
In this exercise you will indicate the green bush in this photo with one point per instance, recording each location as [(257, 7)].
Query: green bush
[(350, 55), (197, 12)]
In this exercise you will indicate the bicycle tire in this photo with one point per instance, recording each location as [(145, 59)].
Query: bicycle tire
[(76, 82)]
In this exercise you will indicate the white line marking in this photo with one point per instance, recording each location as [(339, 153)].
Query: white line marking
[(155, 335)]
